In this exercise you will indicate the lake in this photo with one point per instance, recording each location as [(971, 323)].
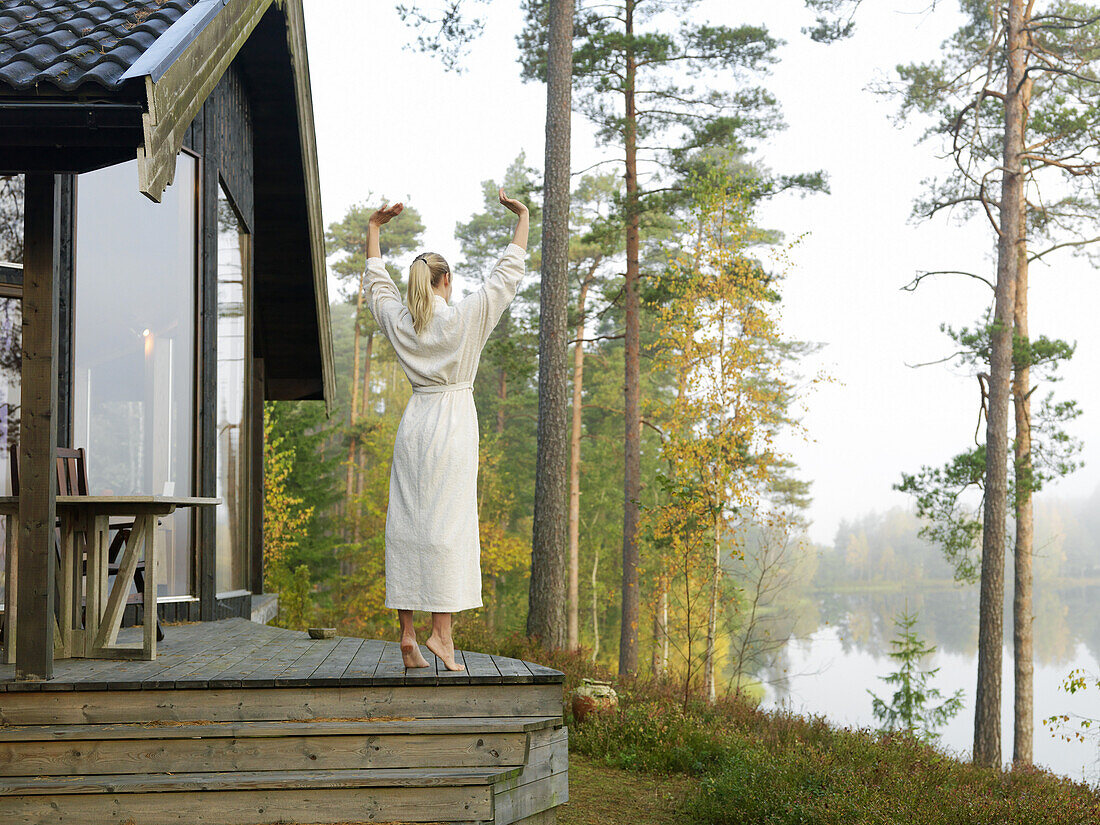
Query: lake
[(841, 644)]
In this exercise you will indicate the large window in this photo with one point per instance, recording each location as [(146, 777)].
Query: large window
[(232, 410), (11, 328), (134, 345)]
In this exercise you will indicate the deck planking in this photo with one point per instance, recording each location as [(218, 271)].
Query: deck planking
[(237, 653)]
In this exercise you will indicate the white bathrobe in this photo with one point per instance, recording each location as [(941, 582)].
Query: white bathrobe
[(433, 554)]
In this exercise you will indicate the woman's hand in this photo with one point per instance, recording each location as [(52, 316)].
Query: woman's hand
[(374, 225), (511, 204), (385, 214)]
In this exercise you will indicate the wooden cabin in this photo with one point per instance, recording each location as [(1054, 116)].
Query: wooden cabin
[(173, 278)]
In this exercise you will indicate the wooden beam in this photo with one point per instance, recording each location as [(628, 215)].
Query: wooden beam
[(296, 42), (38, 432), (256, 548), (207, 482)]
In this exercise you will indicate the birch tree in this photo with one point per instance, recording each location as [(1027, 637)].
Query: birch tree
[(718, 329), (11, 218)]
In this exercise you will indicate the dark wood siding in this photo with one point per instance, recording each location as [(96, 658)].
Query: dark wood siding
[(223, 130)]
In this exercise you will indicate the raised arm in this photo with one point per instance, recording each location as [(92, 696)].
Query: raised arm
[(523, 225), (383, 296), (485, 306)]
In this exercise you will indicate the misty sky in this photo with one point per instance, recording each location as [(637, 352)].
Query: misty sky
[(391, 122)]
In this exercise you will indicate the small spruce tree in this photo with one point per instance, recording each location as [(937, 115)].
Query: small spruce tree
[(913, 709)]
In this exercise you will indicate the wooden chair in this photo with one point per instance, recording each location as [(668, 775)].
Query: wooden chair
[(72, 480)]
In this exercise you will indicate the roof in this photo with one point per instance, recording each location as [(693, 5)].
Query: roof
[(69, 44), (90, 83)]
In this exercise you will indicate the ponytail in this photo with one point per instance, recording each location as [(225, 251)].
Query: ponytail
[(426, 272)]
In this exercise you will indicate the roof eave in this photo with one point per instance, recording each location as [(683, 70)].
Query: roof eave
[(296, 43), (180, 75)]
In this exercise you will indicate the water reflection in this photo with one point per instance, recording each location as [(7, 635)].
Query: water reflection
[(843, 639)]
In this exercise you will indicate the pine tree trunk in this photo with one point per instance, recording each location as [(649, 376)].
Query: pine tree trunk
[(712, 615), (631, 601), (1023, 675), (987, 704), (349, 490), (595, 607), (502, 398), (365, 402), (546, 619), (574, 635), (503, 330), (360, 453)]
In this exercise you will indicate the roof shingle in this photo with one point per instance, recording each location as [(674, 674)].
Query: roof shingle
[(70, 43)]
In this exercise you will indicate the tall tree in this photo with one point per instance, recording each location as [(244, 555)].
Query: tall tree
[(598, 238), (1015, 96), (1010, 236), (546, 616), (627, 72)]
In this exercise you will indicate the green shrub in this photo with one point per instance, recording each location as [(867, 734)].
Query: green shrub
[(778, 768)]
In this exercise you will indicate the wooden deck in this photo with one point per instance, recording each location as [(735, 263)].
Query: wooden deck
[(236, 723), (237, 653)]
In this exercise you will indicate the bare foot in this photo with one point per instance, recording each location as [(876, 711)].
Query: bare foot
[(445, 651), (411, 655)]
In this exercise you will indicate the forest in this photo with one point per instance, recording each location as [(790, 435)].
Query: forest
[(643, 516), (644, 520)]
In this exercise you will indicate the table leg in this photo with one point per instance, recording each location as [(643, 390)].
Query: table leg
[(65, 576), (107, 635), (97, 569), (149, 596), (11, 583), (80, 547)]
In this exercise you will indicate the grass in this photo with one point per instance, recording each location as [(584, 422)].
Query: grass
[(732, 764), (599, 795)]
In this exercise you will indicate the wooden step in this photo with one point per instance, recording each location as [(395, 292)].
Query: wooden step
[(253, 780), (51, 750), (254, 798), (365, 727), (70, 704)]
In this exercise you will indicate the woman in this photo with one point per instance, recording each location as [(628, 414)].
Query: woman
[(433, 556)]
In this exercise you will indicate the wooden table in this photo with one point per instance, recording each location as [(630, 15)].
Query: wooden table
[(85, 521)]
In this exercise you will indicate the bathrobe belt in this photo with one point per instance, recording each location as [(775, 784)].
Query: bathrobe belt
[(461, 385)]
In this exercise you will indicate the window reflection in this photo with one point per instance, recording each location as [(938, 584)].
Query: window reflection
[(232, 513), (11, 328), (134, 340)]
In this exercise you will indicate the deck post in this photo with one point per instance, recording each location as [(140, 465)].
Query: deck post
[(38, 431), (256, 556)]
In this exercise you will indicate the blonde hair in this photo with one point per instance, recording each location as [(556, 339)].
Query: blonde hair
[(426, 272)]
